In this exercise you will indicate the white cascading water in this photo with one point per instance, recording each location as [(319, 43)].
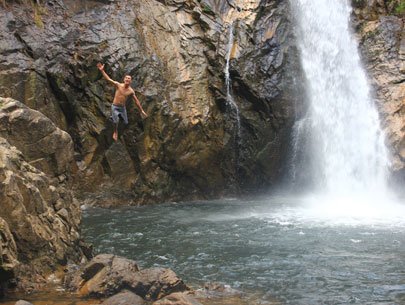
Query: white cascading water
[(229, 96), (347, 144)]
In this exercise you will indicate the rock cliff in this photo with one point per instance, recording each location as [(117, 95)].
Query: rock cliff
[(190, 146), (380, 27)]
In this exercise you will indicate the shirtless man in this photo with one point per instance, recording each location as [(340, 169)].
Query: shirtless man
[(122, 92)]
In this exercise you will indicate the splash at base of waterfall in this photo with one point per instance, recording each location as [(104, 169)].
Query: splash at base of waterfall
[(354, 209)]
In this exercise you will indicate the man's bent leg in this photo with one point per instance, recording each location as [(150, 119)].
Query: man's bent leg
[(115, 134), (115, 118)]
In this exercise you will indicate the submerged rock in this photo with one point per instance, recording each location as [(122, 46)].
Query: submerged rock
[(124, 298), (179, 298), (217, 290)]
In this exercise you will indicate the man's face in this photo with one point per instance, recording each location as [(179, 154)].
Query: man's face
[(127, 80)]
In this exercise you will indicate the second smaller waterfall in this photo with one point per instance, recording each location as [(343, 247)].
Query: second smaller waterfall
[(229, 97)]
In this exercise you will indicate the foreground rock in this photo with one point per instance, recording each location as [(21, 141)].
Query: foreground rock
[(39, 217), (39, 222), (106, 275)]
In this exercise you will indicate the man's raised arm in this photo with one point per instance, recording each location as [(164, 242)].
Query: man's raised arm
[(100, 66)]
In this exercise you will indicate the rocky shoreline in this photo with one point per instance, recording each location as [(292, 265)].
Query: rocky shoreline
[(111, 280)]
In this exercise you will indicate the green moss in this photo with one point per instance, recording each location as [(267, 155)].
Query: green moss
[(38, 16), (396, 7), (30, 90), (400, 8), (207, 10)]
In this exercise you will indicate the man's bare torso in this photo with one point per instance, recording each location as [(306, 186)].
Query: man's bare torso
[(121, 94)]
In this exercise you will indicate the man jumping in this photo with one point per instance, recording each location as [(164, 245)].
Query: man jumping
[(122, 92)]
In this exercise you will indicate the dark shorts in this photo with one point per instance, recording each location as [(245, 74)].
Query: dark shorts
[(116, 112)]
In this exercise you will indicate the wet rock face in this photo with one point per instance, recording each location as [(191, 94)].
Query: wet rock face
[(175, 52), (382, 42), (38, 221), (265, 86)]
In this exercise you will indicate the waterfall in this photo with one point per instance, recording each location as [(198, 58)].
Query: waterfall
[(346, 140), (229, 97)]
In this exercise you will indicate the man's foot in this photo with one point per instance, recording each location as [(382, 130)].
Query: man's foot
[(115, 136)]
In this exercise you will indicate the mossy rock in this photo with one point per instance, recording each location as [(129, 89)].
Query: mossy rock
[(206, 9)]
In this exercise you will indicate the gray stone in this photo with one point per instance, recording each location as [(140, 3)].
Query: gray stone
[(22, 302)]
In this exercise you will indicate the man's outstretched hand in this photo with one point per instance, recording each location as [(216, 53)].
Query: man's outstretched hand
[(144, 115), (100, 66)]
